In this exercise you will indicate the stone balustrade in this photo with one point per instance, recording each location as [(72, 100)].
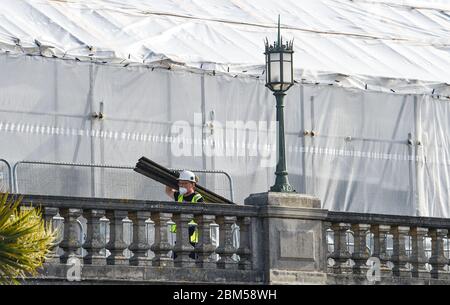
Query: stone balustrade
[(162, 267), (373, 261), (283, 238)]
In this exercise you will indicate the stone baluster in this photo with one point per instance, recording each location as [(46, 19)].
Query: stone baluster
[(140, 245), (226, 248), (244, 251), (437, 259), (448, 246), (380, 245), (205, 248), (418, 258), (71, 242), (161, 247), (116, 245), (183, 247), (49, 213), (361, 253), (340, 255), (399, 257), (326, 226), (150, 232), (95, 240)]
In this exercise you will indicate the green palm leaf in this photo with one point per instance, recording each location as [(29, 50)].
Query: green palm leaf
[(25, 240)]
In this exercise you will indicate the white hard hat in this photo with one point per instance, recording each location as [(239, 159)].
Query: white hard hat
[(187, 176)]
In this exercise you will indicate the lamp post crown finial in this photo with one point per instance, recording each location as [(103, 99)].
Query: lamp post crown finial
[(279, 32), (278, 44)]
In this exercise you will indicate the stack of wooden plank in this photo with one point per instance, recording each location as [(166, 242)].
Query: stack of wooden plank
[(169, 177)]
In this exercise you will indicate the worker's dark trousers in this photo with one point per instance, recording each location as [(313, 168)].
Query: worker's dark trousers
[(192, 255)]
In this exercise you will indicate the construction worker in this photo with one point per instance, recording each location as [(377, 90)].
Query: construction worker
[(186, 194)]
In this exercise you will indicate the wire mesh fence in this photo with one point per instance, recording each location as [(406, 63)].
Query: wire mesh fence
[(102, 181), (5, 176), (108, 181)]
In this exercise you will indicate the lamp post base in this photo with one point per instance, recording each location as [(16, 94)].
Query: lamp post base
[(282, 184), (284, 188)]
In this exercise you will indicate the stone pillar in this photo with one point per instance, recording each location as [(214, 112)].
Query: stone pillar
[(226, 248), (448, 241), (379, 247), (95, 240), (244, 251), (288, 234), (340, 255), (205, 248), (361, 253), (437, 259), (116, 245), (183, 247), (399, 257), (71, 242), (418, 258), (161, 247), (49, 213), (140, 245)]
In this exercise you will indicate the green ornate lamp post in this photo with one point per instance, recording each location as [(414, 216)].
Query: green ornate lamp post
[(279, 78)]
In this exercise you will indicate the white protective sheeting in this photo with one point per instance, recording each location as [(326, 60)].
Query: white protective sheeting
[(383, 45), (366, 86), (360, 159)]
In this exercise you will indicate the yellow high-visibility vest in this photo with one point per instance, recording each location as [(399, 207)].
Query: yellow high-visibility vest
[(173, 228)]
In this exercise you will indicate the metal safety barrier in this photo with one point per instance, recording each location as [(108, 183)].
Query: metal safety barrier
[(101, 181), (9, 174), (198, 171)]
